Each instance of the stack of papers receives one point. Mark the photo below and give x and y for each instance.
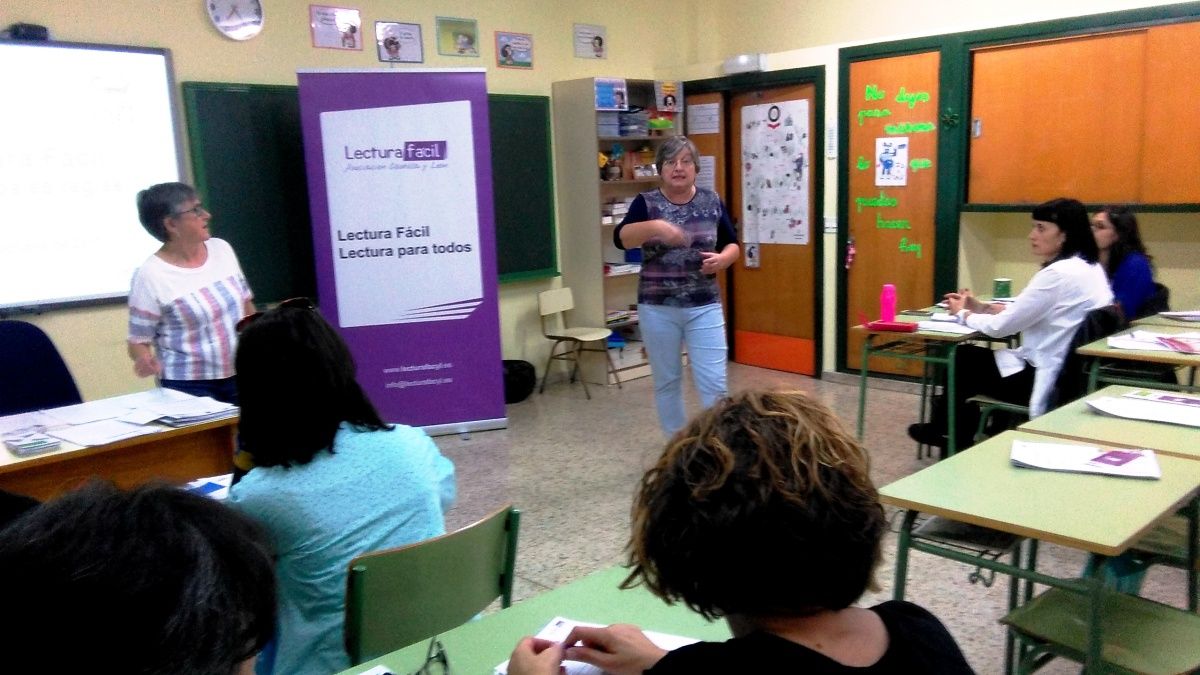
(945, 326)
(1193, 315)
(1188, 343)
(181, 412)
(32, 442)
(1085, 459)
(559, 628)
(1152, 406)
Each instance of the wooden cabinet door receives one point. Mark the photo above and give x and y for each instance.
(1171, 155)
(893, 100)
(1061, 118)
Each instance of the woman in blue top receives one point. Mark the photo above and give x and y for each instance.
(331, 480)
(686, 238)
(1124, 258)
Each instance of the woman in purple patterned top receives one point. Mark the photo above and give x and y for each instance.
(686, 239)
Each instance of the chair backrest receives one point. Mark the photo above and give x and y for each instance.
(397, 597)
(552, 304)
(1159, 301)
(33, 375)
(1072, 379)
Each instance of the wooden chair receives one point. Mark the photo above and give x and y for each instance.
(551, 305)
(400, 596)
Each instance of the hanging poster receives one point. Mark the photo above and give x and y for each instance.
(514, 50)
(590, 41)
(668, 95)
(399, 42)
(335, 27)
(410, 284)
(891, 161)
(704, 118)
(775, 201)
(611, 94)
(457, 37)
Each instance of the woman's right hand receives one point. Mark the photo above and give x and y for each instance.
(146, 364)
(671, 234)
(620, 649)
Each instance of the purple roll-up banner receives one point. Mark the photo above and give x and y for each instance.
(400, 184)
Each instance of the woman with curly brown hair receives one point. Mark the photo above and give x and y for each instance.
(762, 511)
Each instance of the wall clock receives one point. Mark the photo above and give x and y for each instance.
(236, 19)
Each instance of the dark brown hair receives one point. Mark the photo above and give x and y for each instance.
(761, 505)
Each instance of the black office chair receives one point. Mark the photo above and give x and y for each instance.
(33, 375)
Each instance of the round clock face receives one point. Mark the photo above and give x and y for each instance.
(236, 19)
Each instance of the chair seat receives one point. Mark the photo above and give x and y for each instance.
(997, 404)
(1139, 635)
(1168, 541)
(581, 334)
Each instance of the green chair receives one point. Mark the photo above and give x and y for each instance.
(1138, 635)
(400, 596)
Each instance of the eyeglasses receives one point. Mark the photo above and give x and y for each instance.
(436, 662)
(290, 303)
(681, 162)
(196, 210)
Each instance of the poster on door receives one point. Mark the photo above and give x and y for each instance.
(775, 166)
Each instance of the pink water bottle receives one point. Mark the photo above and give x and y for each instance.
(887, 303)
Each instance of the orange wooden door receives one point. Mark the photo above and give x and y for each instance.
(711, 145)
(772, 149)
(893, 101)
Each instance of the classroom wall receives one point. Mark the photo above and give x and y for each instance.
(799, 35)
(668, 39)
(92, 340)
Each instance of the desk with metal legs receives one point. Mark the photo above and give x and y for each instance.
(1098, 514)
(1100, 351)
(928, 347)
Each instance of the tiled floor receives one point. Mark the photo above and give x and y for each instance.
(571, 466)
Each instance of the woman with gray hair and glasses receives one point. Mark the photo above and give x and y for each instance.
(686, 238)
(187, 298)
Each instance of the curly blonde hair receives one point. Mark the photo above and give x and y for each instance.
(761, 505)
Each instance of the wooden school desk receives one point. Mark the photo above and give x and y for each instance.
(1100, 351)
(1098, 514)
(929, 347)
(477, 647)
(173, 455)
(1078, 421)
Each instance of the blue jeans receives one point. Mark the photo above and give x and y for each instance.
(665, 330)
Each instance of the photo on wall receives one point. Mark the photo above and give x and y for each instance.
(457, 37)
(591, 42)
(399, 42)
(514, 50)
(335, 27)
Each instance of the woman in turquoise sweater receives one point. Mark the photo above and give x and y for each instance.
(331, 479)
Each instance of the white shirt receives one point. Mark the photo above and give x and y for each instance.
(1047, 314)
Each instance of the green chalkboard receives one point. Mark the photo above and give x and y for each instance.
(523, 183)
(248, 162)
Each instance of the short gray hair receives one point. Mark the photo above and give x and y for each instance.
(672, 147)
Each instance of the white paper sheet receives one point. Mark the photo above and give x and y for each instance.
(940, 326)
(559, 627)
(1085, 459)
(100, 432)
(703, 118)
(1150, 411)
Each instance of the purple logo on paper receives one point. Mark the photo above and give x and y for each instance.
(424, 151)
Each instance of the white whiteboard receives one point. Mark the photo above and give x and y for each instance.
(83, 128)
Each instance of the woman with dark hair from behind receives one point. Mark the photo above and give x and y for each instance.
(152, 581)
(1125, 260)
(761, 510)
(1046, 313)
(331, 479)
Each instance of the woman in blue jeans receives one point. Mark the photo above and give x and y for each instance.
(686, 238)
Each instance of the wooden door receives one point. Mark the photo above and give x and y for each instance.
(893, 100)
(711, 145)
(772, 148)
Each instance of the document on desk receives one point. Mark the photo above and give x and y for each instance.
(100, 432)
(559, 628)
(1151, 410)
(943, 326)
(92, 411)
(1085, 459)
(1193, 315)
(1187, 343)
(180, 412)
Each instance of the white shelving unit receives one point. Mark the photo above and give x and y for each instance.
(586, 242)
